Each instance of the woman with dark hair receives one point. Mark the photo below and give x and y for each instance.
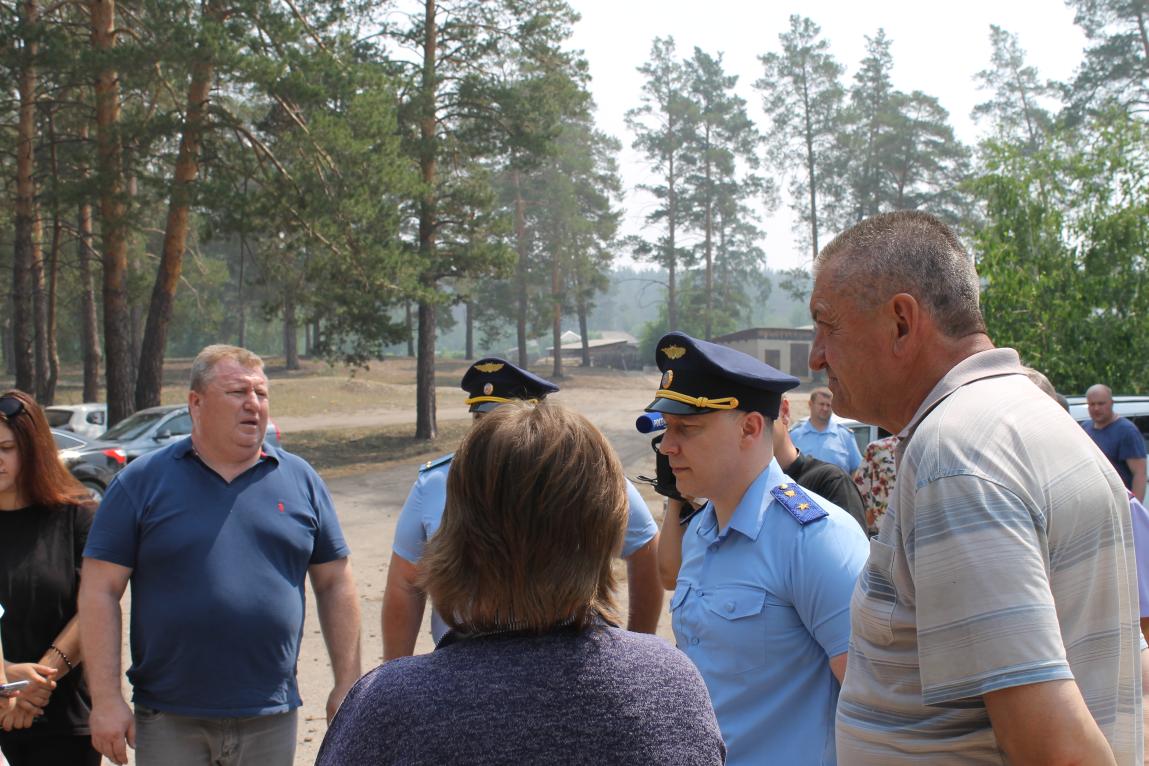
(534, 669)
(44, 519)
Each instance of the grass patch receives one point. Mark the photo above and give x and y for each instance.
(342, 451)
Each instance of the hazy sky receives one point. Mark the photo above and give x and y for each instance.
(937, 48)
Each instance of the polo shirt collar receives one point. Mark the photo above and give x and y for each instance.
(984, 364)
(750, 514)
(184, 447)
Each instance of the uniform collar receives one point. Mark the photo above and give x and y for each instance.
(750, 514)
(991, 363)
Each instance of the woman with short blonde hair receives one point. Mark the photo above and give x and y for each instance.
(535, 669)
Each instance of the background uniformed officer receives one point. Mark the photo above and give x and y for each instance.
(762, 600)
(490, 382)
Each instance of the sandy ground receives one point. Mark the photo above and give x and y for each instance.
(368, 503)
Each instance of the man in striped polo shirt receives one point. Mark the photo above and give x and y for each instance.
(996, 617)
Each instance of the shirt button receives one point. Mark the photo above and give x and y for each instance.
(694, 641)
(729, 606)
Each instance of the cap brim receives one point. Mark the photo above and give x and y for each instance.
(485, 406)
(671, 407)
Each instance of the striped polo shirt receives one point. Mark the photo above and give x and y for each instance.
(1006, 558)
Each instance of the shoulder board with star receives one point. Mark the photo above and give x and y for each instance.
(797, 503)
(436, 462)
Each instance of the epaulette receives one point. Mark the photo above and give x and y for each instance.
(436, 462)
(798, 503)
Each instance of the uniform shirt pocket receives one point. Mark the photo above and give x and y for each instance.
(736, 628)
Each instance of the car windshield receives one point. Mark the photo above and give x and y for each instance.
(66, 442)
(133, 427)
(57, 418)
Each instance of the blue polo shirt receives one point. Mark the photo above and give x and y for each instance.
(1120, 441)
(760, 607)
(834, 445)
(423, 511)
(217, 576)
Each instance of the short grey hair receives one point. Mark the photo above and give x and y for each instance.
(911, 252)
(205, 361)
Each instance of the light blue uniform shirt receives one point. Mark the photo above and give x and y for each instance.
(834, 445)
(760, 608)
(423, 511)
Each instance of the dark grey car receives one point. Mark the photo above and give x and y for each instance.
(94, 463)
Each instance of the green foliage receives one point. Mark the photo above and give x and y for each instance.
(1063, 253)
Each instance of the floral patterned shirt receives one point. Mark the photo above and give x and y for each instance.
(875, 479)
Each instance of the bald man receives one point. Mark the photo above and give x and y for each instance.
(1118, 438)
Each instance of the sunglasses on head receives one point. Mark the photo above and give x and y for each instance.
(10, 407)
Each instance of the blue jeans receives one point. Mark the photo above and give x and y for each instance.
(167, 739)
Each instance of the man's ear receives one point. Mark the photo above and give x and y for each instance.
(906, 314)
(754, 425)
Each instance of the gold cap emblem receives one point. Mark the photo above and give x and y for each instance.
(674, 352)
(489, 388)
(667, 378)
(489, 367)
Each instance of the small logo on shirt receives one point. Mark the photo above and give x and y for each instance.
(279, 506)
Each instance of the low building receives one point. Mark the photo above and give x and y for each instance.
(784, 348)
(617, 350)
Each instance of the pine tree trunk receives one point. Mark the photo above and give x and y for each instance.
(52, 354)
(556, 318)
(582, 328)
(89, 321)
(469, 352)
(410, 330)
(521, 271)
(26, 219)
(425, 425)
(150, 380)
(113, 228)
(290, 336)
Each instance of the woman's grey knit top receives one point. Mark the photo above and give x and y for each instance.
(598, 696)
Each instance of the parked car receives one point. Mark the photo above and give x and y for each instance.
(1135, 408)
(93, 463)
(150, 429)
(88, 420)
(864, 433)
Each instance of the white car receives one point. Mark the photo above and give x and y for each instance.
(90, 420)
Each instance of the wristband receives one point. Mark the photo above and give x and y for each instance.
(63, 656)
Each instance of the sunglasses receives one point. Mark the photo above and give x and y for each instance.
(10, 407)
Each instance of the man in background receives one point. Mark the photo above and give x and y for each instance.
(820, 437)
(1118, 438)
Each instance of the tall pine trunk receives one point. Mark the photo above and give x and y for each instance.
(113, 212)
(520, 270)
(26, 253)
(556, 317)
(469, 351)
(89, 321)
(150, 380)
(290, 335)
(425, 425)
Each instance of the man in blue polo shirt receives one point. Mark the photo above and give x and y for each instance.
(762, 601)
(1118, 438)
(216, 534)
(819, 436)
